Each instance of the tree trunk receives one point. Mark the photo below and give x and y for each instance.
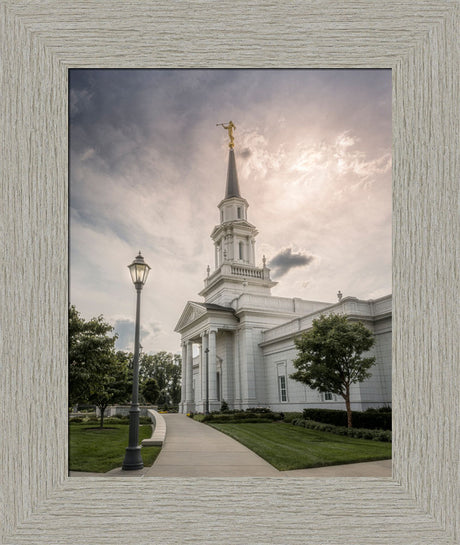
(102, 409)
(348, 406)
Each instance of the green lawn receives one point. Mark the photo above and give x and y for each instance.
(291, 447)
(100, 450)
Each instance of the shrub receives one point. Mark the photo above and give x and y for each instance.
(240, 416)
(111, 420)
(357, 433)
(385, 409)
(375, 419)
(224, 406)
(289, 417)
(383, 435)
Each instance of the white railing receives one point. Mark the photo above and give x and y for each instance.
(241, 270)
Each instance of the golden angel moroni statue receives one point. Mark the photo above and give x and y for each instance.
(229, 127)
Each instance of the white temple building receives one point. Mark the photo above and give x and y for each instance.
(244, 336)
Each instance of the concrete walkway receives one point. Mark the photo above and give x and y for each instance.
(192, 449)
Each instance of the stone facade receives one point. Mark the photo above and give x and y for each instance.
(244, 337)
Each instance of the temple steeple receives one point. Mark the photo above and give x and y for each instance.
(232, 189)
(234, 242)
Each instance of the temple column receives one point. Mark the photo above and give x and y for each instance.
(227, 369)
(189, 377)
(237, 374)
(183, 381)
(213, 403)
(247, 369)
(204, 346)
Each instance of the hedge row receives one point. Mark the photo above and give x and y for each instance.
(289, 417)
(371, 420)
(248, 416)
(357, 433)
(116, 419)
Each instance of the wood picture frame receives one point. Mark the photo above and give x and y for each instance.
(40, 42)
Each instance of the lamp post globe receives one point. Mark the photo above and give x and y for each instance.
(139, 271)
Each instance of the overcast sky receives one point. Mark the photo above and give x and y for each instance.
(148, 169)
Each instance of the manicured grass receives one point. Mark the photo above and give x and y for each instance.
(99, 450)
(291, 447)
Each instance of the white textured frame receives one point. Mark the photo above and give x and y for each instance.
(40, 41)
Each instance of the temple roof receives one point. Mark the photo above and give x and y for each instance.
(232, 189)
(212, 306)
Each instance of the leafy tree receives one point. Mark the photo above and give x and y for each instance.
(329, 356)
(111, 385)
(150, 390)
(165, 368)
(97, 374)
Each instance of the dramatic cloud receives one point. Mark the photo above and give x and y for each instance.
(148, 168)
(286, 260)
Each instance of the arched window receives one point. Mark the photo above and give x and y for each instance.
(240, 248)
(238, 211)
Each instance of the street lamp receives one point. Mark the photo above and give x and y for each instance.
(207, 381)
(133, 460)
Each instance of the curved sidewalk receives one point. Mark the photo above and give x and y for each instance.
(192, 449)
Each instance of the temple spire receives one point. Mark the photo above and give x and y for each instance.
(234, 237)
(232, 189)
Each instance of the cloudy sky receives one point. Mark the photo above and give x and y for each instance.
(148, 168)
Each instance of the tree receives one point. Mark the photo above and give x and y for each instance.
(329, 356)
(150, 390)
(165, 368)
(97, 374)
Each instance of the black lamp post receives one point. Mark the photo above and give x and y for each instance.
(133, 460)
(207, 381)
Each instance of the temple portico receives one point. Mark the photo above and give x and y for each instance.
(207, 374)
